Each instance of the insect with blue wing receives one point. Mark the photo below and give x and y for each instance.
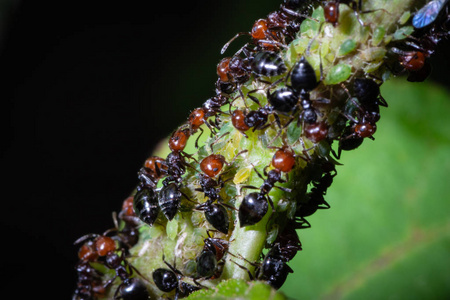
(428, 14)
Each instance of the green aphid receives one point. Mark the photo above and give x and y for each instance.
(378, 35)
(338, 74)
(347, 47)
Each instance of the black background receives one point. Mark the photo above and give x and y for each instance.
(89, 87)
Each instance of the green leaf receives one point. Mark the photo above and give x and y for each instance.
(387, 234)
(234, 289)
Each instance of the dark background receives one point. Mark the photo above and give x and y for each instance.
(89, 88)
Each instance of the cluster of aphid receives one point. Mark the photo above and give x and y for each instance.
(285, 98)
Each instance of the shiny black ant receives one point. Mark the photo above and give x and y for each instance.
(145, 204)
(169, 199)
(273, 269)
(316, 195)
(208, 260)
(288, 241)
(170, 279)
(254, 206)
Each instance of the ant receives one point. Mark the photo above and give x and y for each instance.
(273, 269)
(267, 63)
(288, 241)
(105, 247)
(316, 195)
(269, 34)
(317, 131)
(254, 206)
(233, 71)
(213, 251)
(332, 13)
(89, 285)
(145, 204)
(215, 213)
(169, 199)
(198, 117)
(170, 279)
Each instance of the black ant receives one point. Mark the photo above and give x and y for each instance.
(170, 279)
(273, 269)
(288, 241)
(254, 206)
(213, 251)
(145, 204)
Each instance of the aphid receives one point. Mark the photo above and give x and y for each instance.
(146, 206)
(170, 279)
(428, 13)
(268, 64)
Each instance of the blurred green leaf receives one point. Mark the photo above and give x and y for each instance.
(387, 234)
(234, 289)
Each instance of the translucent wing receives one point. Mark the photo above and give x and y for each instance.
(428, 14)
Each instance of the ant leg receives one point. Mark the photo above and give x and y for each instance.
(253, 98)
(212, 144)
(244, 268)
(247, 187)
(196, 140)
(225, 47)
(301, 223)
(284, 189)
(229, 206)
(239, 153)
